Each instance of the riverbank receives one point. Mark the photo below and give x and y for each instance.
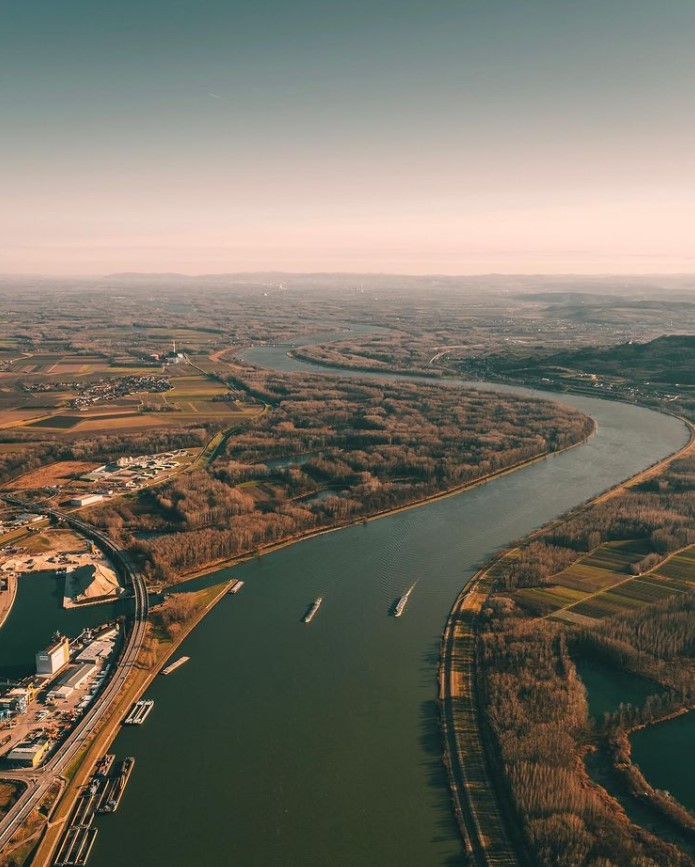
(477, 802)
(7, 598)
(81, 769)
(228, 563)
(639, 787)
(335, 364)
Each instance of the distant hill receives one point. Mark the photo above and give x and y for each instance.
(668, 359)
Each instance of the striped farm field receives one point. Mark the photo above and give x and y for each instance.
(604, 605)
(602, 568)
(681, 584)
(681, 566)
(549, 598)
(645, 590)
(634, 593)
(673, 577)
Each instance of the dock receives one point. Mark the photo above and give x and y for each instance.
(102, 794)
(174, 665)
(235, 586)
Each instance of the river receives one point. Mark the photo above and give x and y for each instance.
(316, 745)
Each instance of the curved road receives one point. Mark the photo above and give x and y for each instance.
(40, 781)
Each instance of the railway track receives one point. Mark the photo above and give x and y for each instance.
(475, 803)
(39, 782)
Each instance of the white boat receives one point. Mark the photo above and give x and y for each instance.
(175, 665)
(311, 613)
(402, 602)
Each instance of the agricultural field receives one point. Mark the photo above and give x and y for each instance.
(604, 567)
(546, 599)
(59, 364)
(680, 567)
(602, 584)
(44, 393)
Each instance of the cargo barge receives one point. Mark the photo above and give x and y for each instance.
(104, 765)
(139, 712)
(76, 848)
(101, 795)
(84, 809)
(311, 613)
(235, 586)
(175, 665)
(113, 791)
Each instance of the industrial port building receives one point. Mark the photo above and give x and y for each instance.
(53, 658)
(29, 754)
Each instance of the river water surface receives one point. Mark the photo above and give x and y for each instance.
(282, 743)
(664, 753)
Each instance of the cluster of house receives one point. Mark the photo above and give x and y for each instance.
(111, 389)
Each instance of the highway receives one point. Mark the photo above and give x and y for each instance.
(39, 781)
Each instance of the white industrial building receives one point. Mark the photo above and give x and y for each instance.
(53, 658)
(77, 676)
(95, 651)
(59, 693)
(85, 499)
(74, 679)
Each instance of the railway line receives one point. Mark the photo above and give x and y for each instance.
(39, 782)
(475, 804)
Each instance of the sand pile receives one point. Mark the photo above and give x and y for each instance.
(90, 583)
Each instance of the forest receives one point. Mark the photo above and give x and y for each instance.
(535, 704)
(360, 448)
(394, 351)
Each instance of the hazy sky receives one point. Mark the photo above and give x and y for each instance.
(452, 136)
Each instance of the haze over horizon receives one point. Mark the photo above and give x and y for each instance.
(441, 138)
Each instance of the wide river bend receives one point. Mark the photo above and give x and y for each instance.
(286, 745)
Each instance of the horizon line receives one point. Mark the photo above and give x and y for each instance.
(345, 273)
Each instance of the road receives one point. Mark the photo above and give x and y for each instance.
(39, 781)
(477, 810)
